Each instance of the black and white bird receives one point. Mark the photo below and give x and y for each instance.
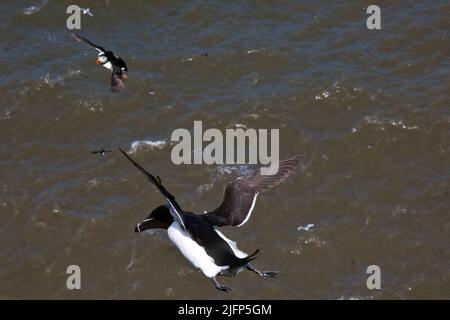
(110, 61)
(101, 152)
(196, 236)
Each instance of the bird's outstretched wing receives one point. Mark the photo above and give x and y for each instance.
(102, 152)
(240, 195)
(117, 83)
(82, 39)
(177, 213)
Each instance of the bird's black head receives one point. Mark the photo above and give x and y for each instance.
(160, 218)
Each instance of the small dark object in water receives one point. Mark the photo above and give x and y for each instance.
(101, 152)
(205, 54)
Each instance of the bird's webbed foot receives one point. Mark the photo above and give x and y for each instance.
(264, 274)
(219, 286)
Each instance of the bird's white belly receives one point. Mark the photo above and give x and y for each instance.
(192, 251)
(107, 65)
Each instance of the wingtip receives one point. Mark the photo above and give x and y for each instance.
(123, 152)
(75, 36)
(295, 160)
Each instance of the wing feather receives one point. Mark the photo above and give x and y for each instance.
(82, 39)
(240, 195)
(177, 213)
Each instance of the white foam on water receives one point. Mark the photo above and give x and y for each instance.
(240, 126)
(147, 144)
(239, 169)
(325, 94)
(7, 115)
(52, 81)
(33, 9)
(204, 187)
(400, 124)
(383, 123)
(73, 74)
(305, 227)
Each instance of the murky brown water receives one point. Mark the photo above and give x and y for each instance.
(367, 110)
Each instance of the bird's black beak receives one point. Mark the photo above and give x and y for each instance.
(147, 224)
(144, 225)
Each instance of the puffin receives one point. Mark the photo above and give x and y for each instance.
(111, 61)
(196, 235)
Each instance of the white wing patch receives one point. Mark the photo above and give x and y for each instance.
(177, 216)
(238, 253)
(192, 251)
(250, 210)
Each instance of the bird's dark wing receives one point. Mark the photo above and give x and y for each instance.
(240, 195)
(117, 61)
(177, 213)
(81, 39)
(116, 81)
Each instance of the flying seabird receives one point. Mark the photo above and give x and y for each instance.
(196, 235)
(110, 61)
(101, 152)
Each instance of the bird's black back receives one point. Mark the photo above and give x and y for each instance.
(116, 61)
(216, 247)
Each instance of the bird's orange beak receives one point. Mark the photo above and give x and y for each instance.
(98, 61)
(124, 76)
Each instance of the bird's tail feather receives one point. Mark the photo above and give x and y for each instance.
(244, 261)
